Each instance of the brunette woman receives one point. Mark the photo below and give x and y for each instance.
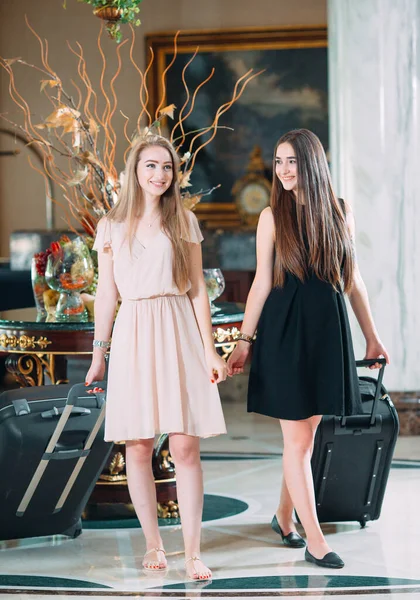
(303, 364)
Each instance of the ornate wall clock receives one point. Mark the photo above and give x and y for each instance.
(252, 191)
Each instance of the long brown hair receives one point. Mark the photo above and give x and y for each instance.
(173, 215)
(311, 230)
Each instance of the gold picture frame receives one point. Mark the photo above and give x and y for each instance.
(224, 214)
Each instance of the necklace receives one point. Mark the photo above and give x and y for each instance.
(151, 222)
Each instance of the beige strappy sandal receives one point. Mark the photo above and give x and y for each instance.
(156, 563)
(198, 578)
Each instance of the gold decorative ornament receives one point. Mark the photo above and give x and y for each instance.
(221, 335)
(30, 369)
(23, 342)
(252, 191)
(26, 369)
(226, 349)
(168, 510)
(114, 12)
(117, 464)
(112, 17)
(108, 13)
(49, 365)
(225, 340)
(167, 462)
(116, 469)
(112, 478)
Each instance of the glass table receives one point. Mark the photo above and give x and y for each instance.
(36, 348)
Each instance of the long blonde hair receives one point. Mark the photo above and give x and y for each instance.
(311, 229)
(173, 215)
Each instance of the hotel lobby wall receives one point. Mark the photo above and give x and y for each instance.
(374, 55)
(22, 194)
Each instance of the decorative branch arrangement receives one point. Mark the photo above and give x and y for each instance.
(78, 139)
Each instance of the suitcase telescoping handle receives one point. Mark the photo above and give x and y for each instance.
(79, 390)
(368, 362)
(76, 391)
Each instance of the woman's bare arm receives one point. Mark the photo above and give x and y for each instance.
(105, 303)
(260, 289)
(263, 280)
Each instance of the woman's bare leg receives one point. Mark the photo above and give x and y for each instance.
(142, 488)
(284, 512)
(185, 452)
(298, 443)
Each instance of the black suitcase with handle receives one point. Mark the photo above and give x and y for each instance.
(352, 456)
(52, 451)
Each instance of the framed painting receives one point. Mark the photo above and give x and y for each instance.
(292, 92)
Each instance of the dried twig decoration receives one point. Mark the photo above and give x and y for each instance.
(78, 140)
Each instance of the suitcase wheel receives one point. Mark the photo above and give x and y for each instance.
(362, 523)
(74, 531)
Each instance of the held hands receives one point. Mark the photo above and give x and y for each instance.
(216, 367)
(97, 368)
(238, 358)
(375, 349)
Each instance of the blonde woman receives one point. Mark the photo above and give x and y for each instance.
(163, 366)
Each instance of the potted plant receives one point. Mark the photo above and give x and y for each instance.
(115, 12)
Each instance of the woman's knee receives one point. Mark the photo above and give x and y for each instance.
(185, 450)
(298, 437)
(139, 451)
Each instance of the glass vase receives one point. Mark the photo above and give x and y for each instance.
(39, 286)
(215, 285)
(70, 271)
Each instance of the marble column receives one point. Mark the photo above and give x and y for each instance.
(374, 65)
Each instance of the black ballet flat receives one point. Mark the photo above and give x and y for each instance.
(330, 560)
(292, 540)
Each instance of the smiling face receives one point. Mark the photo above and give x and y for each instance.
(155, 170)
(286, 166)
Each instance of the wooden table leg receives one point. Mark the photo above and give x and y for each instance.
(27, 369)
(30, 369)
(55, 366)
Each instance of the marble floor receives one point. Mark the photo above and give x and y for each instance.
(242, 472)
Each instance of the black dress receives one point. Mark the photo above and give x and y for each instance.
(303, 361)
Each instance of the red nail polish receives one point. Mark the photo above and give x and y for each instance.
(212, 380)
(86, 383)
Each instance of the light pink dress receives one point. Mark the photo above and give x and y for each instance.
(157, 379)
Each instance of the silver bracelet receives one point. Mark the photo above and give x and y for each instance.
(101, 344)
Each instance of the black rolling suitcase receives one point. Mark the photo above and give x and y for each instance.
(352, 456)
(52, 451)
